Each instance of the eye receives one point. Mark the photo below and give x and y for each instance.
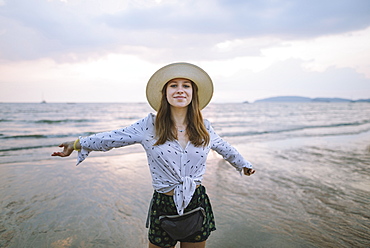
(173, 85)
(187, 85)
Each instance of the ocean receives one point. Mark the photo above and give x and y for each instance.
(311, 187)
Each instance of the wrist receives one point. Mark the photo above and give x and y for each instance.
(77, 145)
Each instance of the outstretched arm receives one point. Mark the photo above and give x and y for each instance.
(229, 153)
(69, 147)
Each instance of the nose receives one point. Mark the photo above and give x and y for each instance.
(180, 90)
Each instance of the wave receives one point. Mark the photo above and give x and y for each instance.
(46, 121)
(25, 148)
(62, 121)
(30, 136)
(42, 136)
(33, 136)
(301, 128)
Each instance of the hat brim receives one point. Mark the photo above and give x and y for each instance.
(179, 70)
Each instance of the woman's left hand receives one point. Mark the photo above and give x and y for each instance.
(248, 171)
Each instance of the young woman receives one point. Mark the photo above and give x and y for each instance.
(177, 141)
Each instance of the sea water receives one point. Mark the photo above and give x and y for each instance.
(311, 188)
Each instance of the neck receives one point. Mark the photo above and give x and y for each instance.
(179, 116)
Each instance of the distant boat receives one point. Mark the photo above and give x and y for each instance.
(43, 99)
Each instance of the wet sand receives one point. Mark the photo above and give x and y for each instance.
(301, 196)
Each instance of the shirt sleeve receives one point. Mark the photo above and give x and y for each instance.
(228, 152)
(105, 141)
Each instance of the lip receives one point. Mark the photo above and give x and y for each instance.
(179, 97)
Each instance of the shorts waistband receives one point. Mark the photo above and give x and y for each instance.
(172, 192)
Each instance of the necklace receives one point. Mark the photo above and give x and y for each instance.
(181, 130)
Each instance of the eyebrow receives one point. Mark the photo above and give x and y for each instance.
(186, 81)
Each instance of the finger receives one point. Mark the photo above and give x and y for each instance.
(60, 154)
(61, 145)
(248, 171)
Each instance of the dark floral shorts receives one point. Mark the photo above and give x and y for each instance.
(164, 205)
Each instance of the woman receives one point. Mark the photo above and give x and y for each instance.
(177, 141)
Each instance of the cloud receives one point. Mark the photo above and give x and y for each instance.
(247, 18)
(38, 28)
(290, 77)
(122, 78)
(113, 78)
(175, 28)
(252, 49)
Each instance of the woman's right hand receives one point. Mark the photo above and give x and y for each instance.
(68, 149)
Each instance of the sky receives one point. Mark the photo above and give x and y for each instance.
(106, 50)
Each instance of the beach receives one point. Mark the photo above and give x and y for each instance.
(311, 188)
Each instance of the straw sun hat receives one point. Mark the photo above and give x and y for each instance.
(179, 70)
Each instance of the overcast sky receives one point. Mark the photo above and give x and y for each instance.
(106, 50)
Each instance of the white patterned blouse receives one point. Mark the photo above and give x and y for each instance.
(172, 167)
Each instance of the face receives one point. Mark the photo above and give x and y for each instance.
(179, 92)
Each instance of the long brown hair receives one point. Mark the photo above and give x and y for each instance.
(165, 128)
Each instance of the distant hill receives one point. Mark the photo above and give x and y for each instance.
(307, 99)
(363, 100)
(286, 99)
(321, 99)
